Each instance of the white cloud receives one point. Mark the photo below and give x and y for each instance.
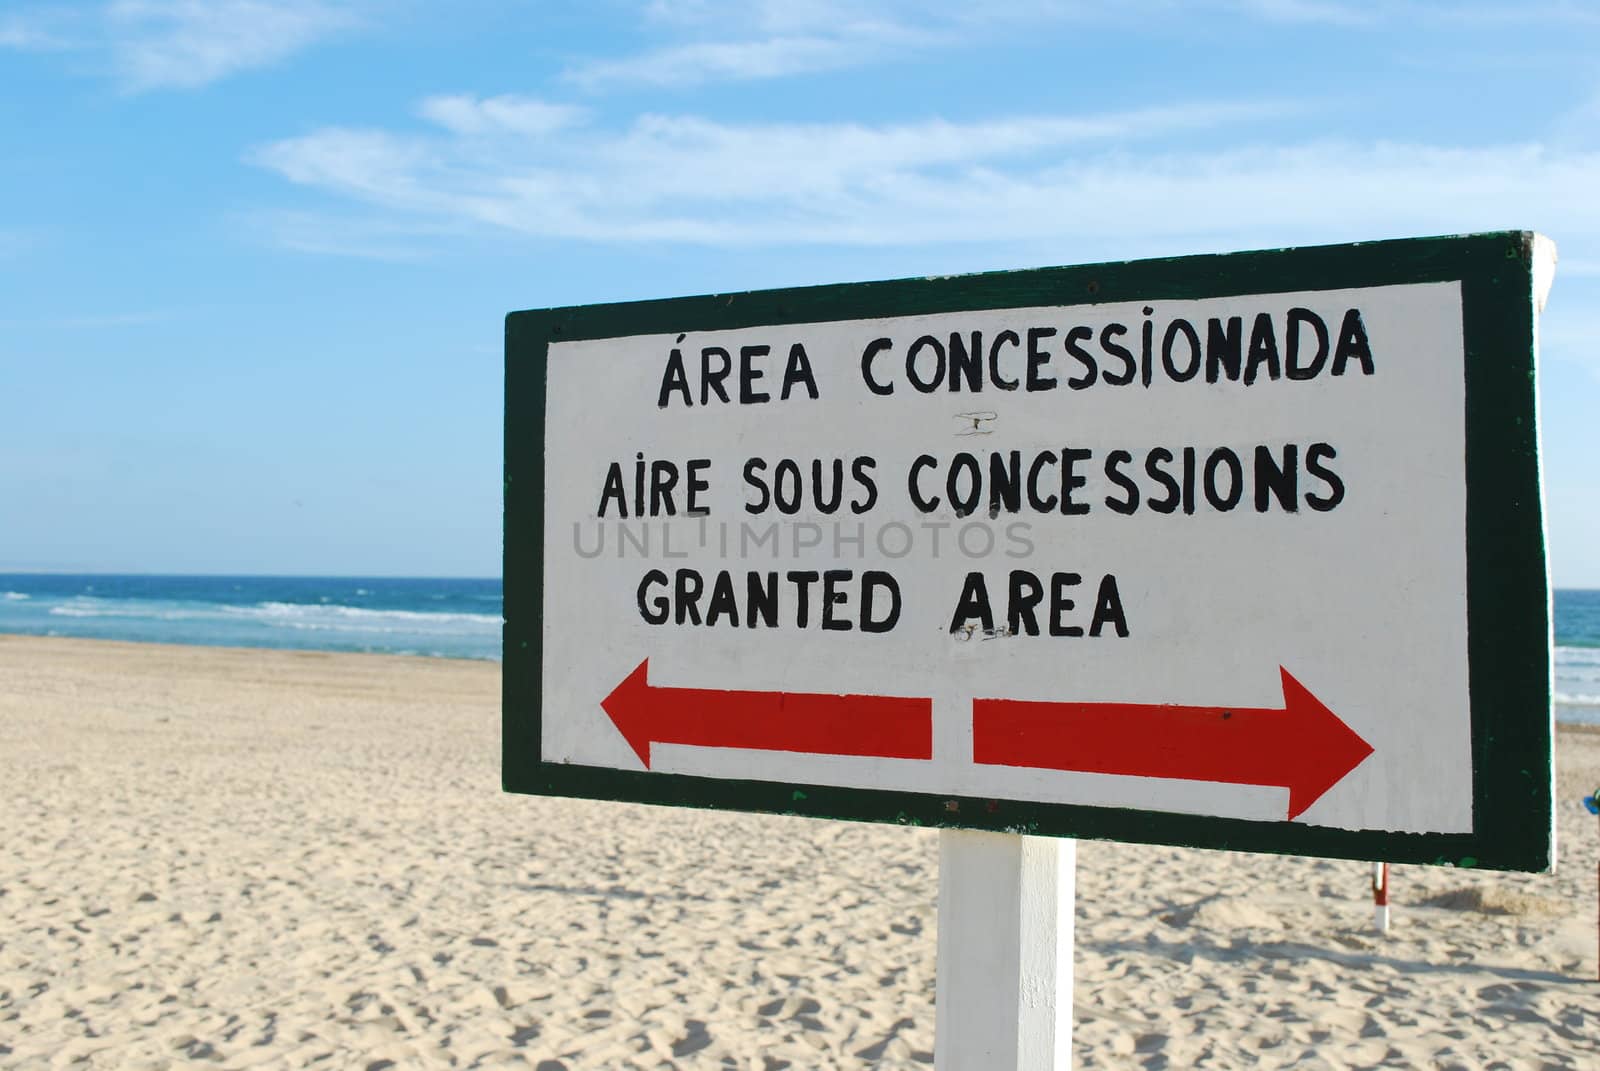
(695, 179)
(1083, 187)
(1310, 11)
(1545, 15)
(179, 44)
(327, 235)
(760, 41)
(709, 41)
(728, 40)
(368, 165)
(1079, 179)
(466, 114)
(787, 16)
(20, 34)
(188, 43)
(712, 61)
(39, 30)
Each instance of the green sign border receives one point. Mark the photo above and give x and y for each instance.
(1508, 625)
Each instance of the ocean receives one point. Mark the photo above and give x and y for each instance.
(444, 618)
(1577, 692)
(451, 618)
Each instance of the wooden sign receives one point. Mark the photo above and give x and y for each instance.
(1233, 551)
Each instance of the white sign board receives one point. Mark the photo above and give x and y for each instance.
(1201, 556)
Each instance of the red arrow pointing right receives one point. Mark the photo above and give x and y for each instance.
(1302, 746)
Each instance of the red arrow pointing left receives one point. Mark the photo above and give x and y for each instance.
(881, 725)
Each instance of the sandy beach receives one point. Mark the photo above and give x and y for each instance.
(240, 858)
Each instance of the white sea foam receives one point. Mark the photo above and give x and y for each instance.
(15, 596)
(312, 617)
(1587, 674)
(89, 606)
(1577, 677)
(297, 614)
(1577, 684)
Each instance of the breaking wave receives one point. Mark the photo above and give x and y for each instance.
(330, 617)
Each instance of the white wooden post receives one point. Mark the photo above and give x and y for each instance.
(1004, 983)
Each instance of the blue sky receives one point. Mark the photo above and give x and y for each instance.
(255, 254)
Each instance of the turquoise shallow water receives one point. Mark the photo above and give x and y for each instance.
(451, 618)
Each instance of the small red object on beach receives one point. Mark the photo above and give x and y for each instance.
(1380, 897)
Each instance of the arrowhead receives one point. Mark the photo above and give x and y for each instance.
(1325, 748)
(631, 710)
